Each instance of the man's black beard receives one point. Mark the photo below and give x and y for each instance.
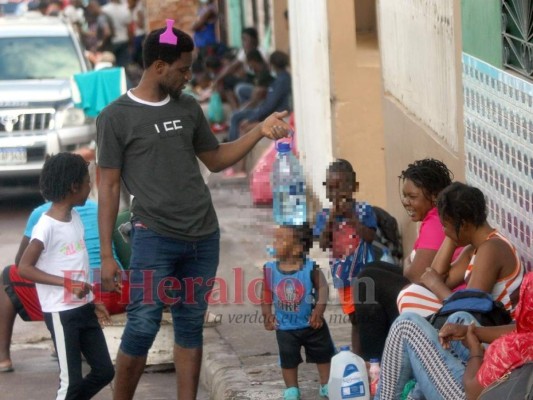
(174, 94)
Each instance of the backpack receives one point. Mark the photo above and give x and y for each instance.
(388, 239)
(476, 302)
(516, 385)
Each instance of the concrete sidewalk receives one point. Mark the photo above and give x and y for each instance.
(247, 368)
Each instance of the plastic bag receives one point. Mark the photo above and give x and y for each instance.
(344, 270)
(215, 110)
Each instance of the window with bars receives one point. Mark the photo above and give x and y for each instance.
(517, 30)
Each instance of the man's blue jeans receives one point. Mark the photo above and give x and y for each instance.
(412, 351)
(168, 272)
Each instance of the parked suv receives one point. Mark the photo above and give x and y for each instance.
(38, 57)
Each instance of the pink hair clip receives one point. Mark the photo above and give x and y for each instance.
(169, 36)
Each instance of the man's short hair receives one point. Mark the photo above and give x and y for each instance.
(153, 50)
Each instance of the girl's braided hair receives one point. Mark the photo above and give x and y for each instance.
(430, 175)
(60, 172)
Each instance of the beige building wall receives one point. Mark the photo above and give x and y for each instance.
(356, 95)
(408, 138)
(337, 94)
(280, 26)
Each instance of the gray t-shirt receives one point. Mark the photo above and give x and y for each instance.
(155, 146)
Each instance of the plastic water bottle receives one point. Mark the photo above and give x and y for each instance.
(288, 188)
(373, 375)
(348, 378)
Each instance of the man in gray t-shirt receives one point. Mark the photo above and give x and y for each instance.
(149, 138)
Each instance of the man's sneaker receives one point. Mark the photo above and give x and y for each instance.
(292, 393)
(323, 391)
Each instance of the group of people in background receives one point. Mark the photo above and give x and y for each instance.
(245, 84)
(115, 26)
(250, 83)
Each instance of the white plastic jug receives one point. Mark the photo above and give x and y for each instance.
(348, 378)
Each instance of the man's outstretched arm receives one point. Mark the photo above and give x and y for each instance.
(228, 154)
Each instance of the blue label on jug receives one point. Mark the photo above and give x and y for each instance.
(352, 385)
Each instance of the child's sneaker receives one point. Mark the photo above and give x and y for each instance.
(323, 391)
(292, 393)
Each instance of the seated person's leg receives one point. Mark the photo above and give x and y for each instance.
(372, 328)
(413, 350)
(235, 123)
(243, 92)
(17, 295)
(386, 283)
(456, 346)
(227, 89)
(7, 319)
(22, 294)
(417, 299)
(377, 289)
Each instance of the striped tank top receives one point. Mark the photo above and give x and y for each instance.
(504, 287)
(416, 298)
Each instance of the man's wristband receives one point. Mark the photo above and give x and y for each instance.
(475, 356)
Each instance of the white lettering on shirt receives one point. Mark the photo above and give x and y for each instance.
(172, 125)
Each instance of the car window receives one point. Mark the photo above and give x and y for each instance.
(12, 8)
(38, 58)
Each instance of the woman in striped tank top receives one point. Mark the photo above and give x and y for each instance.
(488, 261)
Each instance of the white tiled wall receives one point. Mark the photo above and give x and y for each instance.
(499, 148)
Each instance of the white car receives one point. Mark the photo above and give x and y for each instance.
(13, 7)
(38, 57)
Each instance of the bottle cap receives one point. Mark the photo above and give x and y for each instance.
(345, 348)
(283, 147)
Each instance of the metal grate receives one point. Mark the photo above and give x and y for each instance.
(25, 120)
(517, 28)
